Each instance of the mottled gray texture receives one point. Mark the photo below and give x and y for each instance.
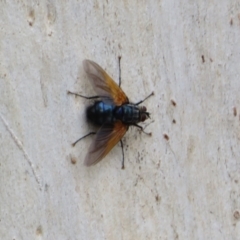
(186, 187)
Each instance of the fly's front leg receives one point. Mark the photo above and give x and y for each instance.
(119, 66)
(144, 99)
(142, 130)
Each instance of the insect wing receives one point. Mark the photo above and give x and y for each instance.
(106, 138)
(104, 85)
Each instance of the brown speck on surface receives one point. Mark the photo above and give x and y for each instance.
(157, 198)
(174, 121)
(236, 215)
(39, 230)
(73, 160)
(173, 103)
(234, 111)
(231, 22)
(210, 59)
(166, 136)
(31, 17)
(203, 59)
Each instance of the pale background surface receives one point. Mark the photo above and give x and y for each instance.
(183, 188)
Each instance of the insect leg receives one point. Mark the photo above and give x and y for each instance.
(79, 95)
(119, 66)
(141, 128)
(144, 99)
(91, 133)
(122, 154)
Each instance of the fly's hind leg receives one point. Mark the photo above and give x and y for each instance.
(79, 95)
(122, 154)
(91, 133)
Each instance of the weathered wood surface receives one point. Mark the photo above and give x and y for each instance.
(186, 187)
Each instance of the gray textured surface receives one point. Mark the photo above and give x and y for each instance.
(183, 188)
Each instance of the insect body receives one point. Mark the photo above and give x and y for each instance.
(112, 112)
(104, 113)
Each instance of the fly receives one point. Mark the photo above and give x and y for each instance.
(111, 112)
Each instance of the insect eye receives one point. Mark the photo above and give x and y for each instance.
(143, 117)
(144, 109)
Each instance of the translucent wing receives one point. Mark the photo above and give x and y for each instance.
(106, 138)
(103, 84)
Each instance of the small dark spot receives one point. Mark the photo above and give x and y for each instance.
(173, 103)
(166, 136)
(174, 121)
(234, 111)
(236, 215)
(203, 59)
(236, 181)
(231, 22)
(210, 59)
(39, 230)
(157, 198)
